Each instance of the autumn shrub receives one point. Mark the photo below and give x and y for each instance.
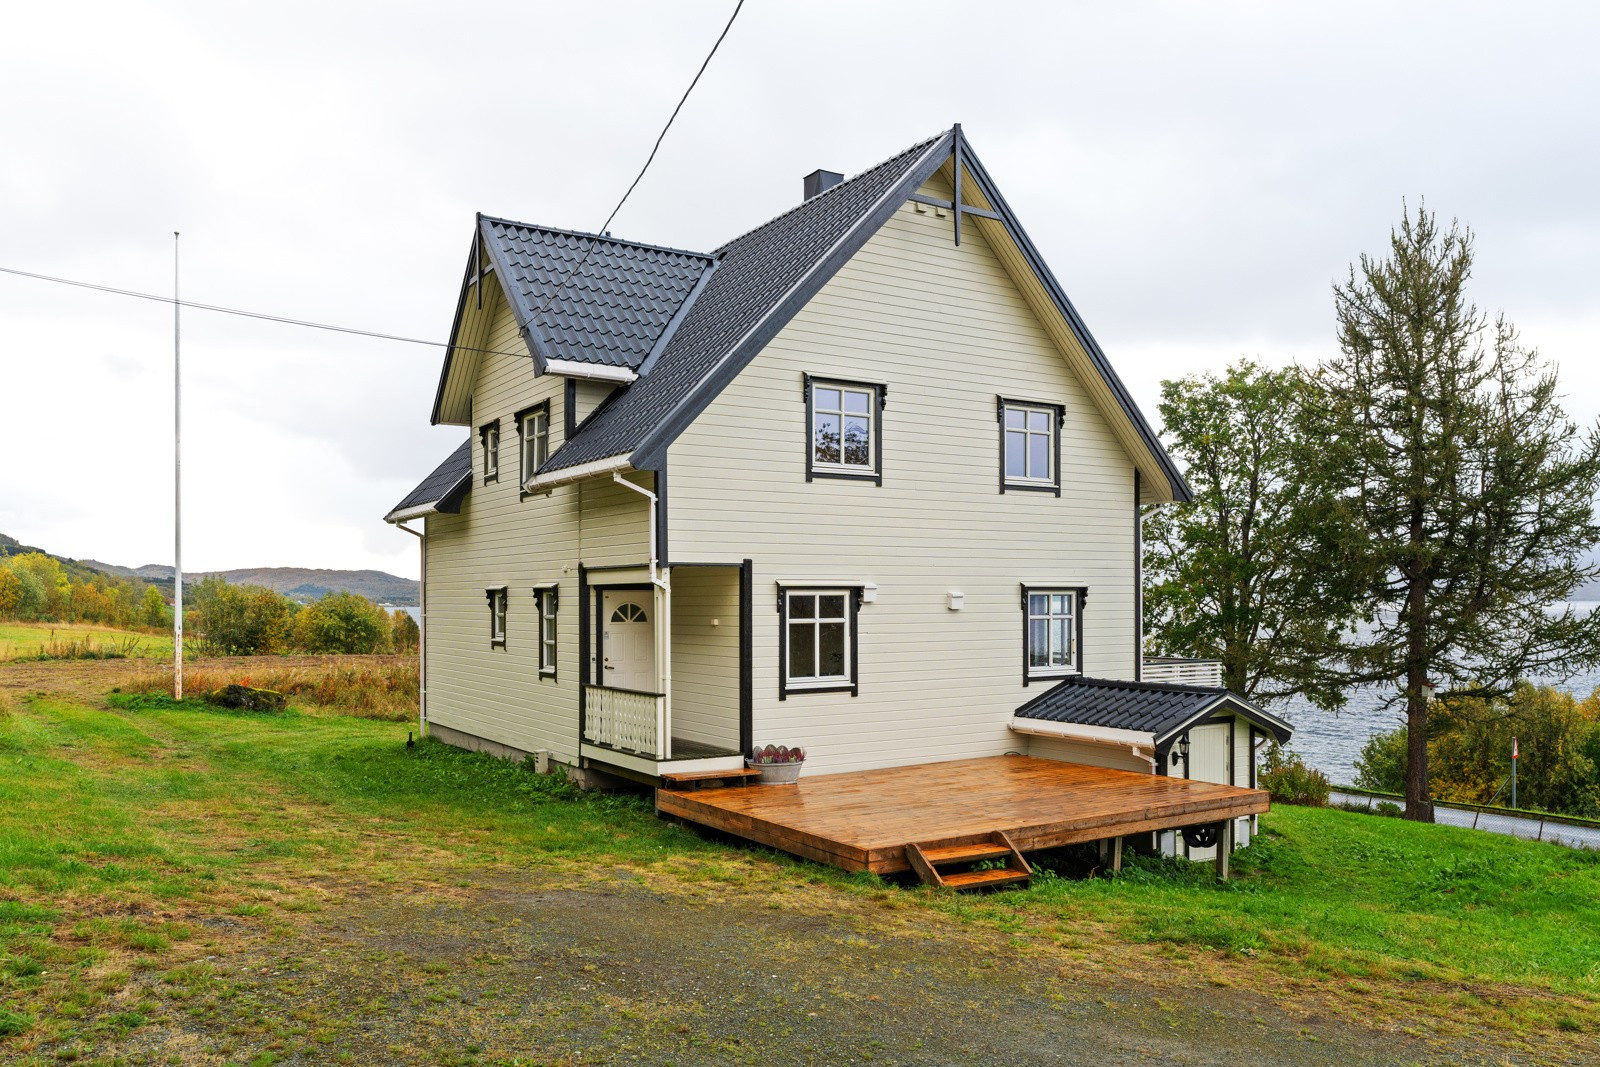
(377, 687)
(342, 623)
(1290, 781)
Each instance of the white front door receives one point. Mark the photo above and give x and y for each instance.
(628, 640)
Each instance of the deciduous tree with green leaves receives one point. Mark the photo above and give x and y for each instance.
(1232, 575)
(1460, 498)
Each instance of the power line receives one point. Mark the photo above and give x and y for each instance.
(606, 226)
(378, 334)
(251, 314)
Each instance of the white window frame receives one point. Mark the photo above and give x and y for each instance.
(491, 451)
(1074, 618)
(497, 616)
(873, 393)
(547, 598)
(1052, 415)
(533, 431)
(845, 680)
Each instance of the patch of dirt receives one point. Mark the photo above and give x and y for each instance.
(515, 971)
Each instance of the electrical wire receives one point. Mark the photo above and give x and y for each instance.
(605, 227)
(378, 334)
(252, 314)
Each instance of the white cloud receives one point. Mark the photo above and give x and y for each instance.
(1197, 176)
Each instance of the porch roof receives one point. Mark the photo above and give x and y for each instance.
(1160, 710)
(441, 491)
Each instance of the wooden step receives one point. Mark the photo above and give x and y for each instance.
(940, 856)
(928, 857)
(997, 876)
(696, 778)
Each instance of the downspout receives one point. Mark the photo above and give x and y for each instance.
(422, 631)
(664, 619)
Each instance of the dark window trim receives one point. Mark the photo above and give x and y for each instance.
(483, 446)
(1006, 486)
(1081, 592)
(541, 594)
(881, 390)
(583, 654)
(505, 610)
(853, 686)
(521, 416)
(569, 410)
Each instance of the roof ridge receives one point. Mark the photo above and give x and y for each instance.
(707, 256)
(918, 147)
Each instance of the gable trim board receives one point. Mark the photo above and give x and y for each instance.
(647, 452)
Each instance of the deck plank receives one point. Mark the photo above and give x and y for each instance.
(862, 820)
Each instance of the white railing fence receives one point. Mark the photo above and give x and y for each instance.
(623, 718)
(1173, 670)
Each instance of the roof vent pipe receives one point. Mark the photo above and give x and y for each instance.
(820, 181)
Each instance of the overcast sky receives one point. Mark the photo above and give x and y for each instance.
(1197, 175)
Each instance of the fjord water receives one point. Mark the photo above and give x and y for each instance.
(1331, 741)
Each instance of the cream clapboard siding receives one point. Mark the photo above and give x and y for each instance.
(705, 655)
(588, 395)
(500, 539)
(946, 329)
(1079, 752)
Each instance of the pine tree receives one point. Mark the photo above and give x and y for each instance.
(1460, 498)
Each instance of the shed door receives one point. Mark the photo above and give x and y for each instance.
(628, 640)
(1210, 760)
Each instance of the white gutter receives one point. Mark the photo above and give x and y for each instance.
(568, 475)
(600, 372)
(1135, 741)
(663, 622)
(397, 517)
(422, 630)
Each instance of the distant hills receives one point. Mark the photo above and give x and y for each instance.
(300, 583)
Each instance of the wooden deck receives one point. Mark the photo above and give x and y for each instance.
(863, 820)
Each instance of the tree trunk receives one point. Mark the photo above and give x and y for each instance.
(1419, 804)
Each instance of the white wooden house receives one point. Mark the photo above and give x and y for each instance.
(859, 480)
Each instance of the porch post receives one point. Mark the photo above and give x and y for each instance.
(663, 599)
(1224, 849)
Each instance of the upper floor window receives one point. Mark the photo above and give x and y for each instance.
(1030, 445)
(846, 429)
(819, 632)
(497, 616)
(1052, 632)
(533, 433)
(490, 435)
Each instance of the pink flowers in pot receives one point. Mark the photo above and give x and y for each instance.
(775, 754)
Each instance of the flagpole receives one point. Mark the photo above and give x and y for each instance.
(177, 483)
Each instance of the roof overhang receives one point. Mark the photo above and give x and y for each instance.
(1077, 731)
(567, 475)
(1229, 703)
(449, 503)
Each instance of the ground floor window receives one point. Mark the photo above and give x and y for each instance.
(547, 598)
(497, 616)
(1052, 632)
(818, 651)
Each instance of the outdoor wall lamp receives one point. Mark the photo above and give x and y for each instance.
(1183, 750)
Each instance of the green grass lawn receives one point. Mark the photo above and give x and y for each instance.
(47, 640)
(125, 827)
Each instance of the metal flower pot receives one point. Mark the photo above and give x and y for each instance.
(776, 773)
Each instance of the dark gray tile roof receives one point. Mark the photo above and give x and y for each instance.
(1144, 706)
(444, 489)
(752, 276)
(612, 311)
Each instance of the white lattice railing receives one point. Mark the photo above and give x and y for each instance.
(623, 718)
(1175, 671)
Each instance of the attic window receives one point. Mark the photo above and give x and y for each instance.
(1030, 445)
(489, 434)
(845, 425)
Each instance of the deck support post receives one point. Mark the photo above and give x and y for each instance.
(1224, 848)
(1116, 855)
